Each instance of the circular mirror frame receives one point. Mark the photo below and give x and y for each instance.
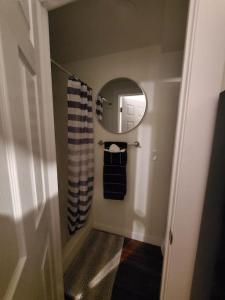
(141, 120)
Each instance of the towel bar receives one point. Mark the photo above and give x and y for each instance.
(135, 144)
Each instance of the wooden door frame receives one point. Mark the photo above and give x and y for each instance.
(185, 229)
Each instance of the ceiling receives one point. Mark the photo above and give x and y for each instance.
(91, 28)
(52, 4)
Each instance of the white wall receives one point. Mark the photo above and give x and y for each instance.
(142, 215)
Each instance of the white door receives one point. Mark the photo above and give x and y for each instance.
(27, 268)
(132, 109)
(203, 73)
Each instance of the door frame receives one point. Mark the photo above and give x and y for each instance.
(182, 224)
(197, 25)
(119, 112)
(51, 157)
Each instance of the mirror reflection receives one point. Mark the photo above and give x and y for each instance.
(120, 105)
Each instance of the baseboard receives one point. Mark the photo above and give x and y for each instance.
(74, 245)
(154, 240)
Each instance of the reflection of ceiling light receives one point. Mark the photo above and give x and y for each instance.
(107, 269)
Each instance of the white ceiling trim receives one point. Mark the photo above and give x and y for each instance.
(52, 4)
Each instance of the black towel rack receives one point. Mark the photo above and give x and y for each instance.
(135, 144)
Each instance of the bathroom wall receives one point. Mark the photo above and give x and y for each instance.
(162, 22)
(142, 215)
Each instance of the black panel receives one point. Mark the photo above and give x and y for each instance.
(209, 275)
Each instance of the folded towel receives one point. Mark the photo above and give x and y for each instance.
(114, 170)
(114, 149)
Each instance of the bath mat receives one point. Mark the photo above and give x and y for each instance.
(92, 273)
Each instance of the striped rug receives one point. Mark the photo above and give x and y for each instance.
(91, 275)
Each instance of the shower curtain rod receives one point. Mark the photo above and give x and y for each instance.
(62, 68)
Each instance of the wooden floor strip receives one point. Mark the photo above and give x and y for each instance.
(92, 273)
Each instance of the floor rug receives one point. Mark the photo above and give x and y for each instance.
(92, 273)
(139, 273)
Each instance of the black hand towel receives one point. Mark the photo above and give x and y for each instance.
(114, 172)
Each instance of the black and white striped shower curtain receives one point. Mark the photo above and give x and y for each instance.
(80, 153)
(99, 108)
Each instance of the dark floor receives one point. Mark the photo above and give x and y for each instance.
(139, 273)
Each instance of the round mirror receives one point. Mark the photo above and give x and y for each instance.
(120, 105)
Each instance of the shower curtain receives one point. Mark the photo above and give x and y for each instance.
(99, 108)
(80, 153)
